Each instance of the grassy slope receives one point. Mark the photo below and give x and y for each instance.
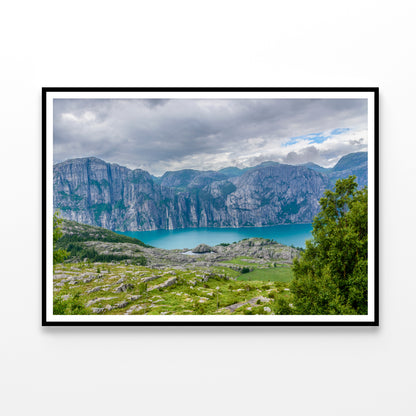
(76, 232)
(281, 273)
(272, 272)
(75, 235)
(91, 288)
(190, 295)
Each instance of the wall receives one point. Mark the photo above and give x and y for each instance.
(201, 371)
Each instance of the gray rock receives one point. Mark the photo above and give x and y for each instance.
(58, 276)
(150, 278)
(252, 302)
(202, 248)
(167, 283)
(133, 309)
(96, 300)
(124, 287)
(94, 289)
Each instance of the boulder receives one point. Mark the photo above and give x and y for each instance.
(124, 288)
(202, 248)
(150, 278)
(167, 283)
(94, 289)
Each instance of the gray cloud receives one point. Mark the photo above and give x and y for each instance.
(159, 135)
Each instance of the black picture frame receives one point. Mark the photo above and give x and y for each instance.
(320, 321)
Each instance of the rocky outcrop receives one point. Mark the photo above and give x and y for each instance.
(259, 299)
(94, 192)
(167, 283)
(202, 248)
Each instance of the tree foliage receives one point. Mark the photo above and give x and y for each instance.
(59, 254)
(331, 275)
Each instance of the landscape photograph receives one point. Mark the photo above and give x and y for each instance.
(210, 206)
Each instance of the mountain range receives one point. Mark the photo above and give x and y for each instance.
(91, 191)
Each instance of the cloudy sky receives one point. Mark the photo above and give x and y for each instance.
(160, 135)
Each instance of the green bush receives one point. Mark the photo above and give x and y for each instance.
(71, 306)
(59, 253)
(142, 287)
(282, 307)
(141, 261)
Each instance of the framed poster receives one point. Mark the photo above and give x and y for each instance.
(210, 206)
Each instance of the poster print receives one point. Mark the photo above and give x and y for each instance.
(210, 206)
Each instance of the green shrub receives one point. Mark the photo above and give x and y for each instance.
(140, 261)
(142, 287)
(281, 307)
(59, 254)
(71, 306)
(59, 306)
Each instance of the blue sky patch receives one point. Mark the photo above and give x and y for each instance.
(315, 137)
(339, 131)
(311, 138)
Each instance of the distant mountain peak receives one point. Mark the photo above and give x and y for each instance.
(351, 160)
(314, 166)
(268, 163)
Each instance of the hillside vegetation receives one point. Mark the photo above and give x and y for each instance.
(106, 273)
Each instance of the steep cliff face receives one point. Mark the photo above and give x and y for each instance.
(279, 194)
(94, 192)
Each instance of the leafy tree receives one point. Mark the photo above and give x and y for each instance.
(59, 254)
(331, 275)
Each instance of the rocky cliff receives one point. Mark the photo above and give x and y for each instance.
(94, 192)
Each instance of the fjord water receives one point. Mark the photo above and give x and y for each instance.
(290, 234)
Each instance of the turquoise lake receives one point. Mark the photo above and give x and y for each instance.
(291, 234)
